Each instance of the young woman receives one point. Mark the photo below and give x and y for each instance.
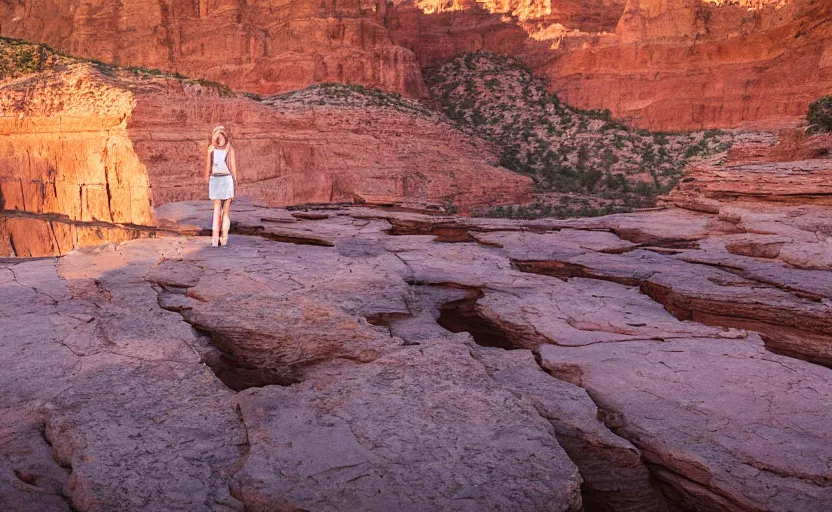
(220, 173)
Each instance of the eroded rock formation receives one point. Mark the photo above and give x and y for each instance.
(84, 145)
(665, 65)
(689, 65)
(258, 46)
(435, 362)
(668, 65)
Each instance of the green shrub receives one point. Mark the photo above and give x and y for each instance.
(499, 99)
(819, 116)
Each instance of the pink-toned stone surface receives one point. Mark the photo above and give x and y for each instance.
(363, 310)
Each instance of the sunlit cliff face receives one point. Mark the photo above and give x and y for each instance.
(750, 4)
(556, 19)
(521, 9)
(543, 20)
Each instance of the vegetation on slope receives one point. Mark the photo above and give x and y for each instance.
(19, 58)
(582, 161)
(819, 115)
(348, 95)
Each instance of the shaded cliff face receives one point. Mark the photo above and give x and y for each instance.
(257, 45)
(663, 65)
(87, 149)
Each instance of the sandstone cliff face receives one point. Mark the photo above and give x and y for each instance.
(92, 149)
(687, 65)
(294, 152)
(260, 46)
(663, 65)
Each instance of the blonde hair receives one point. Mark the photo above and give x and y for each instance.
(216, 132)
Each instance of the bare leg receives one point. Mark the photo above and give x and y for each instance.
(215, 226)
(226, 221)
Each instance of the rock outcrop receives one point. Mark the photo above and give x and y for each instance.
(432, 365)
(258, 46)
(89, 148)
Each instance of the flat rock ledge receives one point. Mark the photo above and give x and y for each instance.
(361, 359)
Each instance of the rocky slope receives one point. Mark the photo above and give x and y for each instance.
(665, 65)
(260, 46)
(89, 148)
(368, 359)
(582, 162)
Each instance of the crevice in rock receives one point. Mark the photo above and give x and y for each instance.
(235, 375)
(62, 460)
(443, 232)
(245, 450)
(681, 493)
(385, 319)
(463, 315)
(641, 238)
(614, 476)
(593, 461)
(779, 339)
(388, 320)
(666, 497)
(565, 270)
(452, 232)
(260, 231)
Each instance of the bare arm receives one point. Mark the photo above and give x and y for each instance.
(232, 163)
(209, 162)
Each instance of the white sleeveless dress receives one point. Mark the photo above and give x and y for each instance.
(221, 184)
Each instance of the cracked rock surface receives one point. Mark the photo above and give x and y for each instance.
(363, 359)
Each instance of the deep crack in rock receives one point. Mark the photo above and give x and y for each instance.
(462, 315)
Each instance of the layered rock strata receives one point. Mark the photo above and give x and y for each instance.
(689, 65)
(677, 65)
(258, 46)
(413, 366)
(84, 145)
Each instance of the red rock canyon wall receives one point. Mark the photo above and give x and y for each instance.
(664, 64)
(689, 65)
(263, 46)
(83, 152)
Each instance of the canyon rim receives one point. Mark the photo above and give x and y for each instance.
(513, 256)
